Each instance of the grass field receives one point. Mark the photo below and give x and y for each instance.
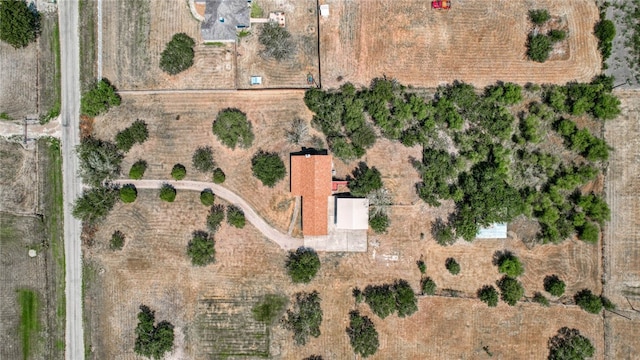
(29, 322)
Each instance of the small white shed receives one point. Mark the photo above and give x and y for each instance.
(324, 10)
(256, 80)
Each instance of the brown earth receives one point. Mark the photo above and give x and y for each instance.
(622, 233)
(18, 179)
(477, 41)
(18, 80)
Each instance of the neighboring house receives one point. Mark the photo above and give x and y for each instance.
(223, 18)
(311, 179)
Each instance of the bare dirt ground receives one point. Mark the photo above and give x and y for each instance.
(478, 42)
(18, 80)
(18, 179)
(302, 23)
(135, 34)
(622, 235)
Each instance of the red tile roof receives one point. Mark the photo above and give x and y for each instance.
(311, 179)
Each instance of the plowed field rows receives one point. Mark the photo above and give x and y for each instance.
(476, 41)
(18, 80)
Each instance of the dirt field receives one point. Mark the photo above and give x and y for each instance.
(136, 32)
(476, 41)
(302, 23)
(622, 235)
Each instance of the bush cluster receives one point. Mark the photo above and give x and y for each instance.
(594, 98)
(302, 265)
(178, 54)
(117, 240)
(152, 341)
(362, 334)
(232, 128)
(201, 249)
(268, 167)
(569, 344)
(305, 318)
(588, 301)
(385, 299)
(95, 203)
(100, 97)
(215, 217)
(99, 160)
(605, 31)
(135, 133)
(235, 216)
(582, 142)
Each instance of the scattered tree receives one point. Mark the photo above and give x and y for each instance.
(362, 334)
(538, 47)
(540, 299)
(207, 197)
(381, 299)
(511, 290)
(509, 264)
(95, 203)
(152, 341)
(201, 248)
(539, 16)
(100, 97)
(99, 160)
(452, 265)
(364, 180)
(588, 301)
(379, 222)
(218, 176)
(276, 41)
(232, 128)
(135, 133)
(553, 285)
(568, 344)
(215, 217)
(302, 265)
(489, 295)
(442, 233)
(21, 23)
(298, 133)
(268, 168)
(406, 302)
(117, 240)
(137, 170)
(178, 172)
(358, 295)
(421, 266)
(235, 216)
(178, 54)
(606, 303)
(128, 193)
(557, 35)
(167, 193)
(305, 318)
(202, 159)
(270, 308)
(428, 286)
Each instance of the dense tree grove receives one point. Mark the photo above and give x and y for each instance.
(476, 154)
(305, 318)
(362, 334)
(568, 344)
(100, 97)
(201, 249)
(302, 265)
(178, 54)
(232, 128)
(20, 24)
(152, 341)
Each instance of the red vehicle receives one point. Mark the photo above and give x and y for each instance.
(441, 4)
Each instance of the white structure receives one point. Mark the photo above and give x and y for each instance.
(256, 80)
(495, 231)
(324, 11)
(352, 213)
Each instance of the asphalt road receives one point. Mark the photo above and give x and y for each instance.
(285, 241)
(72, 184)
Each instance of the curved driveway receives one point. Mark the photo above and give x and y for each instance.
(285, 241)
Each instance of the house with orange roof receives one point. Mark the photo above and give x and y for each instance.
(311, 180)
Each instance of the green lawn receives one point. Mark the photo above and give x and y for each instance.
(29, 323)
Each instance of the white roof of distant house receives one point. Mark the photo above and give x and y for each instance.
(324, 10)
(352, 213)
(495, 231)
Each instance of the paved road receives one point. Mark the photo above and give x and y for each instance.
(70, 111)
(285, 241)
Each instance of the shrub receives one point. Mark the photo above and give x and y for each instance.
(509, 264)
(362, 334)
(540, 299)
(381, 299)
(270, 308)
(442, 233)
(232, 128)
(167, 193)
(511, 289)
(128, 193)
(553, 285)
(20, 23)
(302, 265)
(605, 31)
(489, 295)
(178, 172)
(298, 132)
(589, 232)
(136, 133)
(95, 203)
(117, 240)
(201, 248)
(379, 222)
(358, 295)
(406, 302)
(557, 35)
(218, 176)
(364, 180)
(539, 16)
(100, 97)
(538, 47)
(202, 159)
(268, 168)
(306, 317)
(215, 217)
(276, 41)
(99, 161)
(152, 341)
(137, 170)
(421, 266)
(207, 197)
(588, 301)
(178, 54)
(452, 265)
(428, 286)
(568, 344)
(606, 303)
(235, 216)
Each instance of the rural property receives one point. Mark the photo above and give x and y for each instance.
(319, 179)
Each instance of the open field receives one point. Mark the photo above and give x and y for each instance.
(134, 36)
(478, 42)
(302, 24)
(622, 235)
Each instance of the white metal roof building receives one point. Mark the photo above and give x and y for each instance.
(352, 213)
(495, 231)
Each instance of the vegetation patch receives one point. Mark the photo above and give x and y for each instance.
(152, 341)
(167, 193)
(569, 344)
(362, 334)
(117, 240)
(137, 170)
(100, 97)
(29, 323)
(305, 318)
(99, 160)
(385, 299)
(136, 133)
(276, 41)
(235, 216)
(24, 24)
(302, 265)
(201, 249)
(232, 128)
(202, 159)
(128, 193)
(588, 301)
(178, 54)
(268, 167)
(270, 308)
(605, 31)
(95, 203)
(215, 217)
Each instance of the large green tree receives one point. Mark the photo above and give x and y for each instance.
(362, 334)
(152, 341)
(511, 289)
(201, 249)
(95, 203)
(178, 54)
(99, 160)
(568, 344)
(305, 318)
(364, 180)
(302, 265)
(268, 167)
(100, 97)
(19, 23)
(232, 128)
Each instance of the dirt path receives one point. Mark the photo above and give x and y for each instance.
(9, 128)
(286, 242)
